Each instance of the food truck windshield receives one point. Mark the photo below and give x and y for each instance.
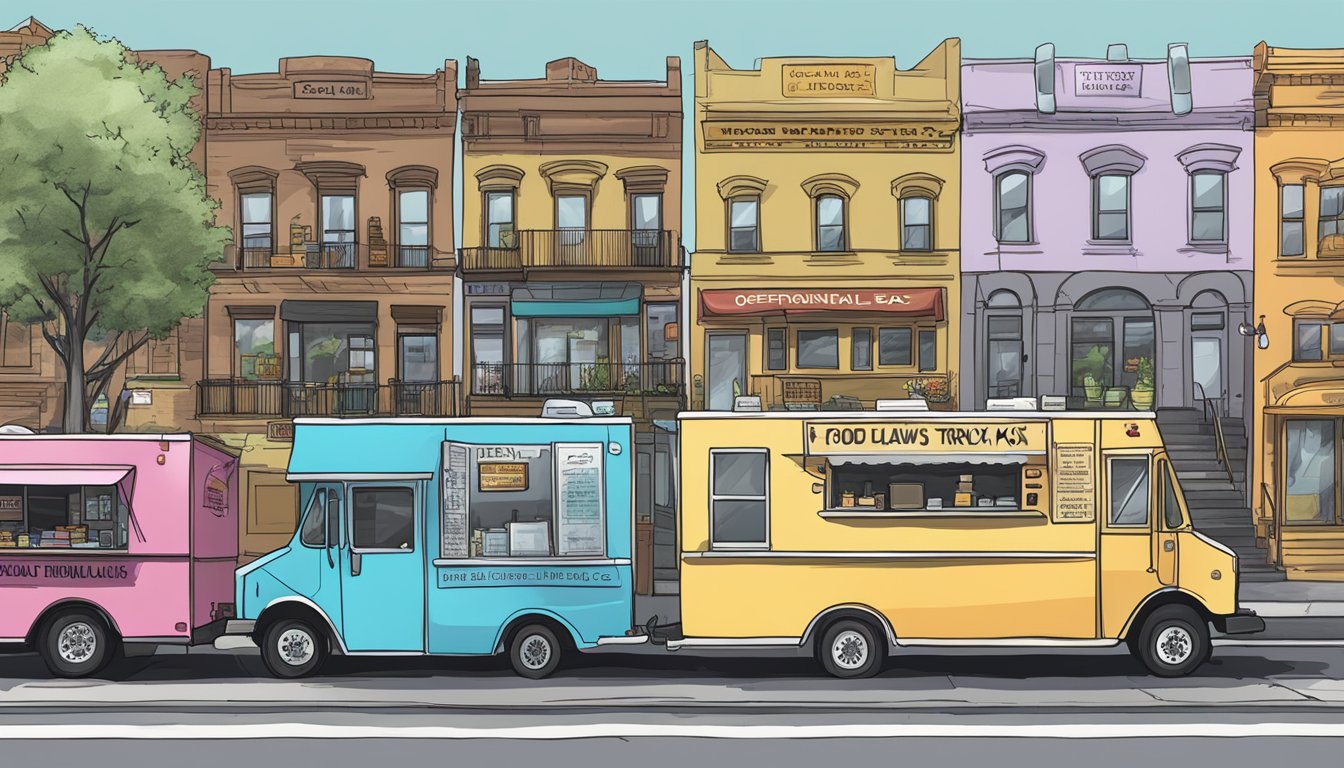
(928, 467)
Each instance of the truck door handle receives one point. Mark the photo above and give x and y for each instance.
(1168, 546)
(356, 561)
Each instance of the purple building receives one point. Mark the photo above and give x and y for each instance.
(1106, 230)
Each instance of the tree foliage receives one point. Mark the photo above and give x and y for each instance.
(106, 229)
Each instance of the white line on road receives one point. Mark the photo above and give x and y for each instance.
(248, 732)
(1226, 641)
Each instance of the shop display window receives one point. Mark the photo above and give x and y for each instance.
(893, 486)
(63, 517)
(506, 501)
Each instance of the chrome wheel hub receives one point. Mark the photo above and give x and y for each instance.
(1174, 645)
(77, 642)
(849, 650)
(535, 651)
(295, 646)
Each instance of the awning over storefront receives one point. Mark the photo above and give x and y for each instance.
(576, 300)
(329, 311)
(64, 474)
(922, 302)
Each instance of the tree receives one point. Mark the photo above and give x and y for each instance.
(106, 230)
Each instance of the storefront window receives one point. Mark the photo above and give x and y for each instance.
(1129, 492)
(928, 350)
(62, 517)
(739, 505)
(744, 224)
(895, 346)
(1291, 218)
(776, 349)
(819, 348)
(419, 357)
(526, 501)
(254, 347)
(1310, 471)
(334, 353)
(861, 349)
(1110, 324)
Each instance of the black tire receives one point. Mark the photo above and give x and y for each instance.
(293, 648)
(535, 651)
(851, 649)
(76, 643)
(1173, 642)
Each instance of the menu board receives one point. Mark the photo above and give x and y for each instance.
(578, 495)
(11, 508)
(453, 507)
(502, 476)
(1075, 483)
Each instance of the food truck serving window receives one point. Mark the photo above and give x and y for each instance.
(503, 501)
(926, 483)
(62, 517)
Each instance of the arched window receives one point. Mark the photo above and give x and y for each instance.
(1012, 206)
(1112, 350)
(830, 217)
(1003, 332)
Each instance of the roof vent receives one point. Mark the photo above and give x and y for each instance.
(909, 404)
(1010, 404)
(565, 409)
(1178, 75)
(1117, 52)
(1045, 78)
(747, 404)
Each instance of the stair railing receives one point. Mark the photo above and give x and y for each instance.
(1271, 535)
(1210, 410)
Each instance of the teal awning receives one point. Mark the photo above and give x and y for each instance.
(576, 300)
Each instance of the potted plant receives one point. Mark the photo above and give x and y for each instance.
(1145, 391)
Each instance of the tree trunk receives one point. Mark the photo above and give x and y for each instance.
(76, 412)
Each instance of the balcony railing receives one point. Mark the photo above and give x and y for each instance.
(854, 391)
(412, 256)
(576, 249)
(238, 397)
(657, 378)
(255, 255)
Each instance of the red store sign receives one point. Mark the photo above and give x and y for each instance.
(908, 301)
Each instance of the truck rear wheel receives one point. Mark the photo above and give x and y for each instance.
(1173, 642)
(535, 651)
(76, 643)
(293, 648)
(851, 649)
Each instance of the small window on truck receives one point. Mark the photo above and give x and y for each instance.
(1129, 492)
(383, 519)
(1171, 500)
(739, 503)
(313, 533)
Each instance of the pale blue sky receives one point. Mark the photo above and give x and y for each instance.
(514, 38)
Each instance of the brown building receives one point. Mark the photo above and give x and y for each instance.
(336, 297)
(572, 259)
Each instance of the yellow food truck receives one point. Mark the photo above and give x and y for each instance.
(856, 533)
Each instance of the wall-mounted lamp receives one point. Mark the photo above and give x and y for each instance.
(1258, 331)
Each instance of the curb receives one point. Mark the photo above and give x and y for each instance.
(1296, 610)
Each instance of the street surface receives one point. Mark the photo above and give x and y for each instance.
(656, 709)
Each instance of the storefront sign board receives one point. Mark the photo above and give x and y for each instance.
(330, 89)
(1107, 79)
(830, 80)
(849, 437)
(908, 301)
(800, 134)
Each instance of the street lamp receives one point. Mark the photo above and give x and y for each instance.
(1258, 331)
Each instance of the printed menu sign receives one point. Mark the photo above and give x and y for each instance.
(453, 507)
(578, 494)
(1075, 483)
(502, 476)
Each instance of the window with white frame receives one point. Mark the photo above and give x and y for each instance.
(1110, 207)
(739, 498)
(1012, 202)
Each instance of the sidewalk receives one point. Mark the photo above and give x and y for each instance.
(1294, 599)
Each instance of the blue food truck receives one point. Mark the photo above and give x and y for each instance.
(461, 536)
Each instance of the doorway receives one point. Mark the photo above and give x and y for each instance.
(1208, 350)
(725, 370)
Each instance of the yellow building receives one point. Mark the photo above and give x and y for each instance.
(1299, 294)
(826, 272)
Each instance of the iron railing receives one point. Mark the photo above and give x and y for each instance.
(239, 397)
(258, 253)
(1211, 410)
(412, 256)
(660, 377)
(576, 249)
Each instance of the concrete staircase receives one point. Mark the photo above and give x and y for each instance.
(1218, 505)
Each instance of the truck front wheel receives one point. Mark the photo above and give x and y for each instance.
(1173, 642)
(76, 644)
(293, 648)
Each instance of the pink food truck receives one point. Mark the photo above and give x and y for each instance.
(112, 539)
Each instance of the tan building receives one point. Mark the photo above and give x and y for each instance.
(336, 296)
(571, 261)
(1299, 294)
(826, 271)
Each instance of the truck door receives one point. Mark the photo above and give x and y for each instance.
(1129, 567)
(1168, 521)
(382, 568)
